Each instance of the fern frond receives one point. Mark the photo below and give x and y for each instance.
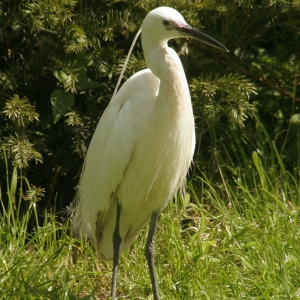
(20, 111)
(21, 151)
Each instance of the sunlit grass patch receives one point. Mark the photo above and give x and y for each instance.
(239, 241)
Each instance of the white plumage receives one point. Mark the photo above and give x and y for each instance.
(143, 145)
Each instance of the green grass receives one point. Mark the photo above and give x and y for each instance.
(239, 240)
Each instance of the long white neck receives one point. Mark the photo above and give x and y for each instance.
(166, 65)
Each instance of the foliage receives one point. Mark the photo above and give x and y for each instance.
(21, 113)
(239, 232)
(228, 242)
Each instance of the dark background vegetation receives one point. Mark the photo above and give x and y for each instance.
(60, 61)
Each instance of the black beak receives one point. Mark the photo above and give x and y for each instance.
(189, 31)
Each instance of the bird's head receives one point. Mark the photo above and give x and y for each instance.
(165, 23)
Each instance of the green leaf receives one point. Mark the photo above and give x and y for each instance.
(61, 76)
(295, 119)
(79, 67)
(61, 102)
(85, 83)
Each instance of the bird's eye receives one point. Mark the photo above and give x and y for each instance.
(166, 23)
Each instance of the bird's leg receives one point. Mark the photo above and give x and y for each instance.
(149, 253)
(116, 245)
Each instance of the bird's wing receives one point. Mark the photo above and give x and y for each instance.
(112, 146)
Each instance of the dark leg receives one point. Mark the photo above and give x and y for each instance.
(149, 252)
(116, 244)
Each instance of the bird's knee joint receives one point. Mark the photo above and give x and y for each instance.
(150, 249)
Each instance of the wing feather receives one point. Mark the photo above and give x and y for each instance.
(111, 149)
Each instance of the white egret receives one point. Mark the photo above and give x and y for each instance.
(142, 148)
